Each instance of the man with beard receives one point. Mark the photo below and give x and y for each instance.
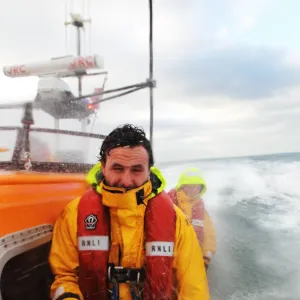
(125, 236)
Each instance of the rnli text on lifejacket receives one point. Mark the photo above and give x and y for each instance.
(159, 248)
(96, 242)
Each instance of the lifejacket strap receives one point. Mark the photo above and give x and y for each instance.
(206, 260)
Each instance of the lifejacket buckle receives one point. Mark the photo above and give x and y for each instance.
(125, 275)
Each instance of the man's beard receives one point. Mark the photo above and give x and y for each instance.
(127, 188)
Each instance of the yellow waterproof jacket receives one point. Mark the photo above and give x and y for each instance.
(188, 263)
(193, 176)
(210, 241)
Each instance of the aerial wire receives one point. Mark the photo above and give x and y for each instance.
(90, 27)
(83, 29)
(151, 68)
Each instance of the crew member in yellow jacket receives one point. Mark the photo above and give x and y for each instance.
(187, 196)
(124, 236)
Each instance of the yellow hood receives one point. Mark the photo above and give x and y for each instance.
(192, 176)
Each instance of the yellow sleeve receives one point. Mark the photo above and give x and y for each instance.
(210, 241)
(188, 262)
(63, 257)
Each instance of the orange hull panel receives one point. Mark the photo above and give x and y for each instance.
(31, 199)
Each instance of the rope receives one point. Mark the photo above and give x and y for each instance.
(103, 86)
(104, 81)
(115, 294)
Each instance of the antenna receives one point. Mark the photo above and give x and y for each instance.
(78, 21)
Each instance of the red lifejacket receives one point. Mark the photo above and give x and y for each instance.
(93, 245)
(197, 219)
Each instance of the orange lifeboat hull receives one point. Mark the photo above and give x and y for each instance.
(29, 199)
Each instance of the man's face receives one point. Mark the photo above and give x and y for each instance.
(127, 167)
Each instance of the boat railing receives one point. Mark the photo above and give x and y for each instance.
(50, 150)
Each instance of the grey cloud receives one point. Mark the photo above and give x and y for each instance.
(178, 128)
(281, 105)
(273, 121)
(238, 72)
(269, 132)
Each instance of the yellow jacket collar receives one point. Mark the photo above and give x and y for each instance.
(158, 182)
(122, 199)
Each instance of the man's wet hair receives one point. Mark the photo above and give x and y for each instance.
(127, 135)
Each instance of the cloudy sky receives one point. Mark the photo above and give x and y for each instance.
(227, 71)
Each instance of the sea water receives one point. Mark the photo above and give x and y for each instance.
(254, 203)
